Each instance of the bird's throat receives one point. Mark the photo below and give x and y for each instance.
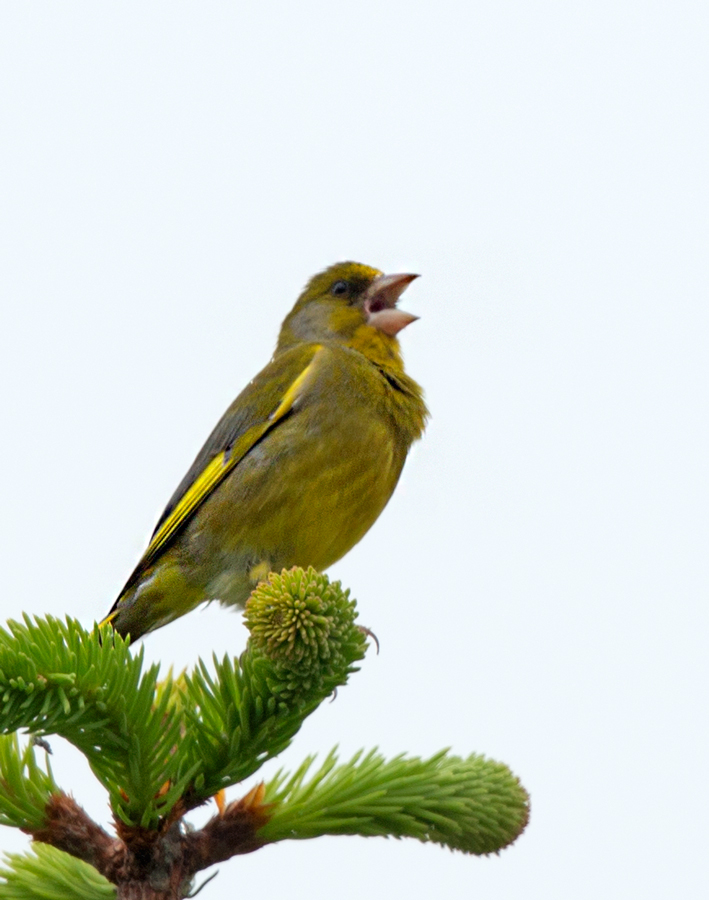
(379, 347)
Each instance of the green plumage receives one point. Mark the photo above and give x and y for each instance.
(301, 464)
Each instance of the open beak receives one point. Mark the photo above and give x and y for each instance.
(380, 300)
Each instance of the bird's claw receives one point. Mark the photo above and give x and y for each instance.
(370, 634)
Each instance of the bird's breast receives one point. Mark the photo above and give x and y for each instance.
(307, 492)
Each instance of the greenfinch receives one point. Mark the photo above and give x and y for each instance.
(301, 464)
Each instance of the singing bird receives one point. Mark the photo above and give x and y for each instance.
(301, 464)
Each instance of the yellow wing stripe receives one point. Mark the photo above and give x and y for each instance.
(203, 485)
(220, 466)
(295, 390)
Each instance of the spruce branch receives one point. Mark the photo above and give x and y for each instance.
(304, 644)
(48, 874)
(162, 748)
(154, 745)
(57, 678)
(474, 805)
(25, 788)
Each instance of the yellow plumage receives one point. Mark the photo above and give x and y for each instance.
(301, 464)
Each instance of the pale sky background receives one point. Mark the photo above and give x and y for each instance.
(170, 176)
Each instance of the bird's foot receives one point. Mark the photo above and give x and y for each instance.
(370, 634)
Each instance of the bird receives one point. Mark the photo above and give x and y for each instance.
(301, 464)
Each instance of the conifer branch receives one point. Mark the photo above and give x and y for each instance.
(56, 678)
(303, 645)
(25, 788)
(474, 805)
(162, 748)
(48, 874)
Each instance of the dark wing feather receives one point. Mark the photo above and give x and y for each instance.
(258, 409)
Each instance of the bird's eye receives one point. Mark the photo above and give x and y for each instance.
(340, 289)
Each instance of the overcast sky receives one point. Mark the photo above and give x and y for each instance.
(172, 174)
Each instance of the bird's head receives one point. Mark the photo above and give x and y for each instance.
(343, 300)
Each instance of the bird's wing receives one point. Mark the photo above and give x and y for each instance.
(265, 402)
